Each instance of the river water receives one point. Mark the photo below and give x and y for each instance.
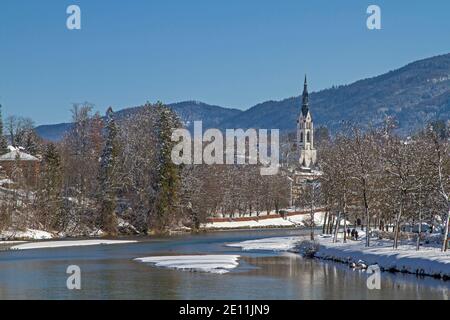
(109, 272)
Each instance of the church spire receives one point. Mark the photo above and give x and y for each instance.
(305, 100)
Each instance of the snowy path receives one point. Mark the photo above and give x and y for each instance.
(290, 221)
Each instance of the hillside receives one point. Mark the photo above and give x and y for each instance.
(414, 95)
(188, 111)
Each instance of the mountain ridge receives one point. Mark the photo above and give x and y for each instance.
(414, 94)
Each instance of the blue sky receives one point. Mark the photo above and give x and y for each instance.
(231, 53)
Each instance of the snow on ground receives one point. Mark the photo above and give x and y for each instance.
(205, 263)
(429, 260)
(5, 181)
(269, 244)
(291, 221)
(72, 243)
(27, 234)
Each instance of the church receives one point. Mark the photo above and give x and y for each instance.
(305, 133)
(307, 154)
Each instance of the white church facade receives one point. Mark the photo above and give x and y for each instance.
(307, 154)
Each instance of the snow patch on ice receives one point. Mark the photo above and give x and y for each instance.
(205, 263)
(73, 243)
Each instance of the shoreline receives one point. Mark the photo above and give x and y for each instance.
(7, 245)
(429, 261)
(445, 278)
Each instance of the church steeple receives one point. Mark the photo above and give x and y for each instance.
(305, 132)
(305, 99)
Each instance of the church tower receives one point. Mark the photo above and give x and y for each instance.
(305, 133)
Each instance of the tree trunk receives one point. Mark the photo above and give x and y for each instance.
(420, 226)
(325, 222)
(397, 226)
(366, 209)
(336, 230)
(345, 218)
(445, 242)
(331, 224)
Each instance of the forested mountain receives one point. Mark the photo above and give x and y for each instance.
(414, 94)
(188, 111)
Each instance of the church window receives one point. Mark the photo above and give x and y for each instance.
(308, 137)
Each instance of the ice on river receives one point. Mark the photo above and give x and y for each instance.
(270, 244)
(74, 243)
(205, 263)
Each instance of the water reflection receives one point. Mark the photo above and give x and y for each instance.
(313, 279)
(109, 272)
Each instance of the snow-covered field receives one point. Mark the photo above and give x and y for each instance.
(291, 221)
(205, 263)
(72, 243)
(429, 260)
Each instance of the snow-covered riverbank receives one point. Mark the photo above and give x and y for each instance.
(66, 243)
(429, 260)
(28, 234)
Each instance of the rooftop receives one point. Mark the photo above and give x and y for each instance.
(16, 152)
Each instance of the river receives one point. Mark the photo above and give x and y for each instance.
(109, 272)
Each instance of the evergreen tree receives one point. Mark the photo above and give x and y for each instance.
(50, 199)
(107, 176)
(167, 180)
(3, 141)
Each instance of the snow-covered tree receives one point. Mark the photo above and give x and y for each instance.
(440, 159)
(49, 194)
(167, 180)
(108, 176)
